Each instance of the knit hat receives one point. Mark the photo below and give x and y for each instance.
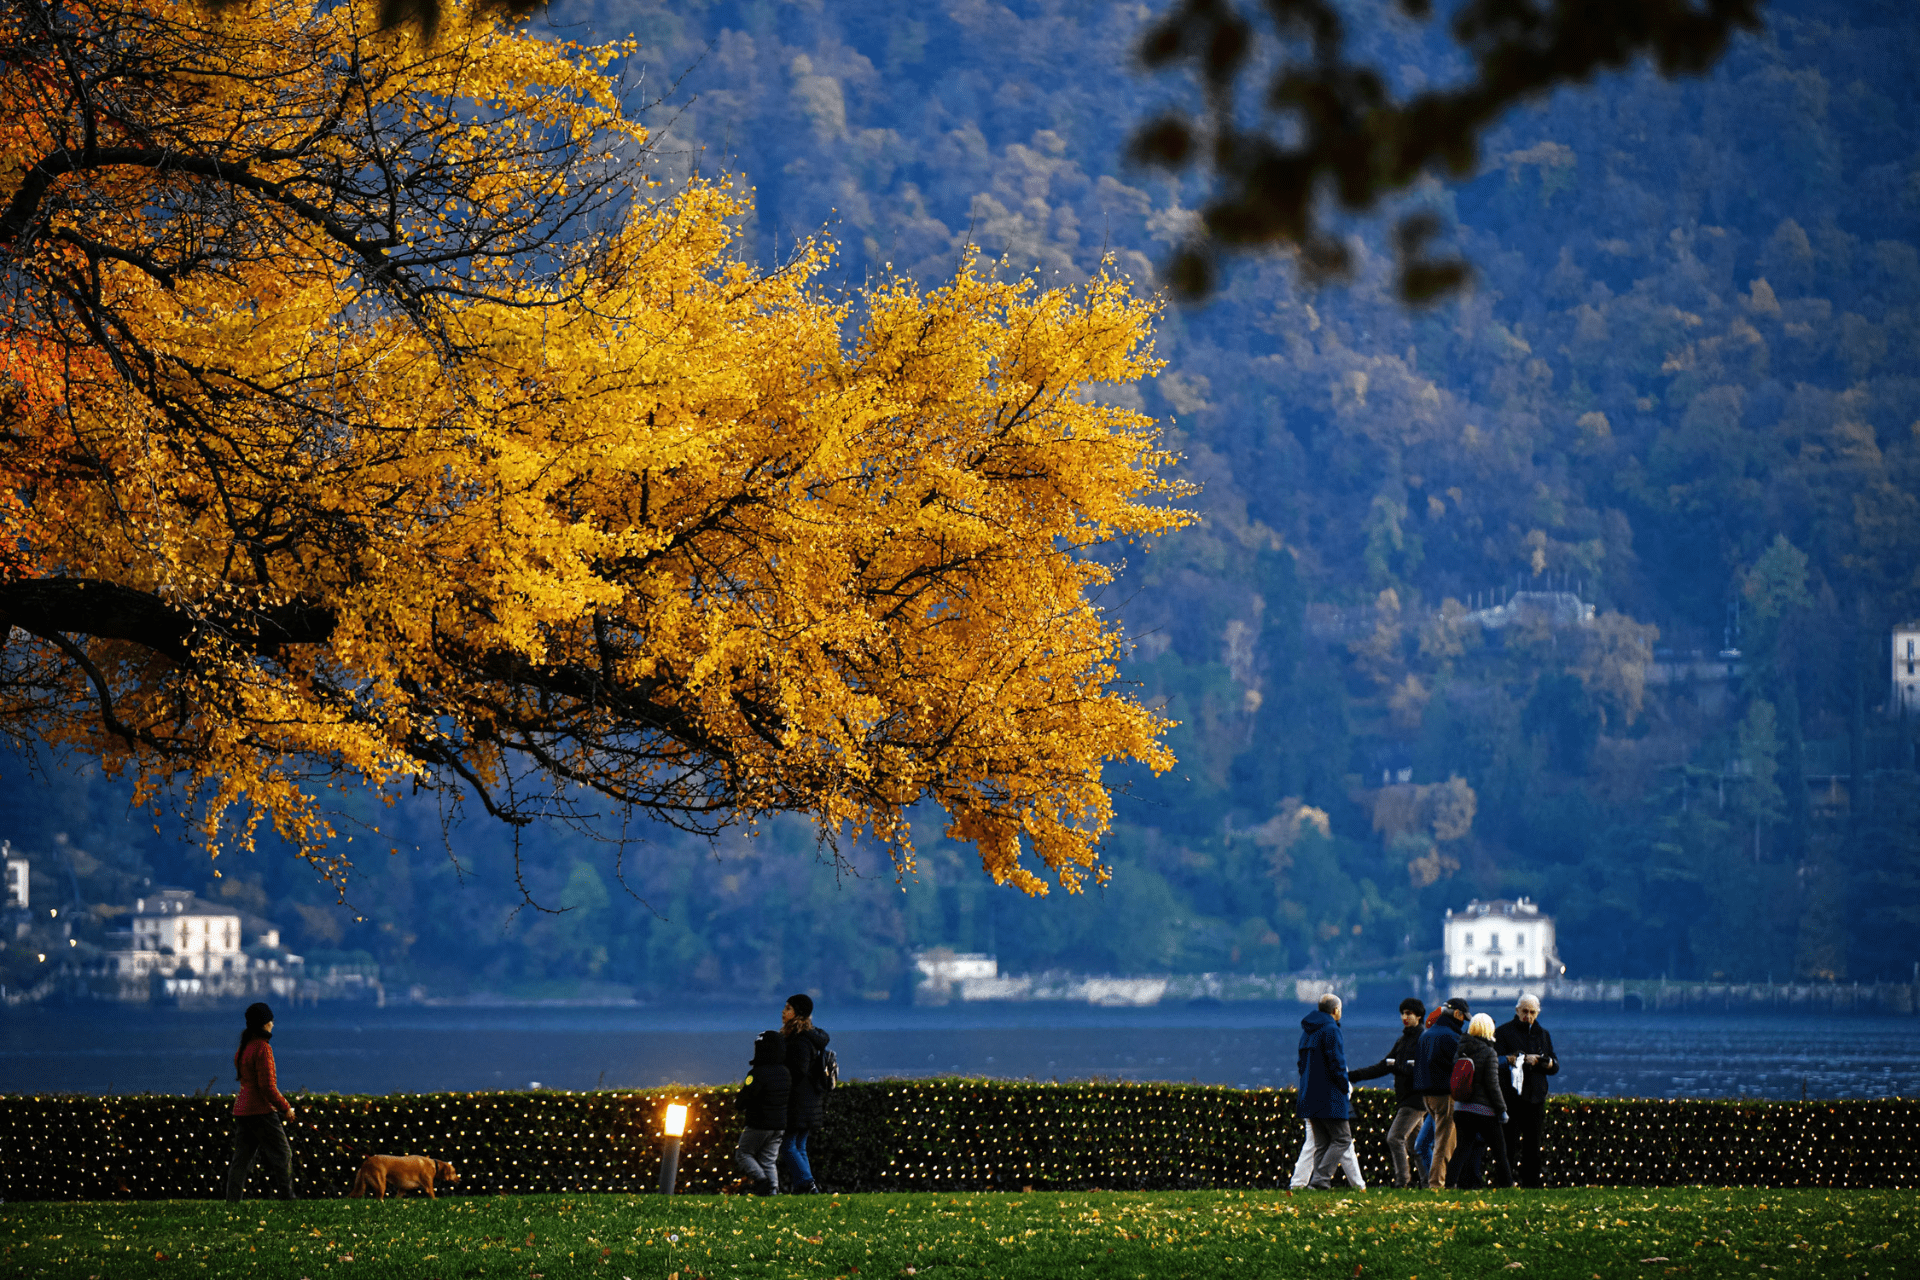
(259, 1014)
(802, 1005)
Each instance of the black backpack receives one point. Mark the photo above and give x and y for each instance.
(826, 1071)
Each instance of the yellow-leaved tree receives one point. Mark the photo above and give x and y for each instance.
(369, 415)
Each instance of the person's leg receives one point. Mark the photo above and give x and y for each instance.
(246, 1149)
(1406, 1122)
(1423, 1146)
(1303, 1167)
(1499, 1169)
(277, 1154)
(1528, 1150)
(793, 1154)
(770, 1160)
(1350, 1162)
(1333, 1138)
(1463, 1171)
(1443, 1140)
(747, 1155)
(764, 1154)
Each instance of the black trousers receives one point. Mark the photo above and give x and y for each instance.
(1482, 1140)
(261, 1138)
(1526, 1122)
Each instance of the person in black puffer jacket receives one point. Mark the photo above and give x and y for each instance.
(1411, 1109)
(805, 1107)
(1479, 1122)
(764, 1098)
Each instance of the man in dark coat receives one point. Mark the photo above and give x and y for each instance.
(1433, 1080)
(764, 1100)
(1324, 1087)
(1411, 1108)
(1525, 1048)
(805, 1107)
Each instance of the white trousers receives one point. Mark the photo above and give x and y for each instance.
(1303, 1167)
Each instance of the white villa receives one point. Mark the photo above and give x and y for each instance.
(1501, 939)
(174, 930)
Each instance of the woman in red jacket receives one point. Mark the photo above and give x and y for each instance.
(257, 1131)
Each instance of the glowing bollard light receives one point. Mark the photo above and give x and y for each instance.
(674, 1127)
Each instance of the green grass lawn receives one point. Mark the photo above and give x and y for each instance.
(1568, 1235)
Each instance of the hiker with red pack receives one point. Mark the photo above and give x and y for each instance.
(1479, 1113)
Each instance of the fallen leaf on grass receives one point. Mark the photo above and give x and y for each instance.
(1653, 1259)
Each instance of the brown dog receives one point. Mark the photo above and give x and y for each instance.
(401, 1173)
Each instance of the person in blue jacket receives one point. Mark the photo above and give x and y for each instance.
(1433, 1078)
(1324, 1088)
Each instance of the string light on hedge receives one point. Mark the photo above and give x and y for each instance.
(930, 1135)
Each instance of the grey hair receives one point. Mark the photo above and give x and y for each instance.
(1526, 1001)
(1329, 1003)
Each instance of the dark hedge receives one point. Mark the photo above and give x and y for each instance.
(902, 1135)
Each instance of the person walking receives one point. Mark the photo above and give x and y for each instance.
(1478, 1120)
(1423, 1141)
(1323, 1101)
(1309, 1155)
(258, 1132)
(764, 1098)
(1526, 1055)
(1432, 1079)
(805, 1108)
(1410, 1110)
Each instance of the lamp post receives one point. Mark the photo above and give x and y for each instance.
(674, 1127)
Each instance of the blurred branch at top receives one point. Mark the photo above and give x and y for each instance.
(1328, 126)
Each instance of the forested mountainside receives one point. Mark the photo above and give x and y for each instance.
(1684, 389)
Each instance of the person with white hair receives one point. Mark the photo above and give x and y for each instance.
(1479, 1116)
(1527, 1059)
(1324, 1088)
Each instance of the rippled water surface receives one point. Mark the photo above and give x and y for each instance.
(417, 1049)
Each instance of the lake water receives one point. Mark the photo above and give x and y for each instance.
(412, 1049)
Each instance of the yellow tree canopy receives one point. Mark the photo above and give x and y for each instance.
(365, 413)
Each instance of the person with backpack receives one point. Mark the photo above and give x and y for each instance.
(1433, 1080)
(810, 1065)
(1410, 1110)
(1479, 1115)
(1323, 1099)
(764, 1099)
